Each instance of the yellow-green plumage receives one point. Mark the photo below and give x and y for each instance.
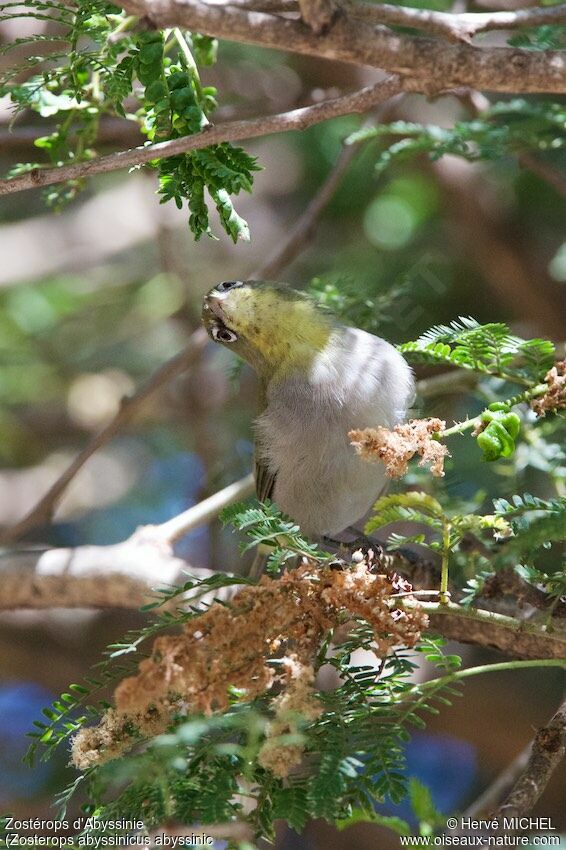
(280, 329)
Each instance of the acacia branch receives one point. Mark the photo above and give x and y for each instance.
(496, 631)
(548, 750)
(457, 27)
(122, 576)
(431, 65)
(117, 576)
(283, 122)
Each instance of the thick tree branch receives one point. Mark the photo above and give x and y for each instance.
(118, 576)
(507, 5)
(548, 750)
(497, 631)
(297, 119)
(430, 64)
(122, 575)
(455, 27)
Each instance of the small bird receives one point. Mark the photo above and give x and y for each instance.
(319, 379)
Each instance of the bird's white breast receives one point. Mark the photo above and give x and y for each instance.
(358, 381)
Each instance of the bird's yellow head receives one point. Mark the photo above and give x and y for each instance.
(278, 330)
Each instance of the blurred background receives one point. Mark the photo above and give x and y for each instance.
(94, 299)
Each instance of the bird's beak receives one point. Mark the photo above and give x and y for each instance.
(212, 310)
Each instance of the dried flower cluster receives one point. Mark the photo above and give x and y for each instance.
(230, 645)
(396, 447)
(293, 706)
(555, 397)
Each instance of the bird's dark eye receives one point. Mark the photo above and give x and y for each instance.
(229, 284)
(222, 334)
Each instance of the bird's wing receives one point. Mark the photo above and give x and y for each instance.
(264, 477)
(264, 480)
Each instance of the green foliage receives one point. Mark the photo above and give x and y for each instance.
(540, 38)
(428, 816)
(265, 525)
(443, 531)
(505, 128)
(520, 529)
(536, 524)
(124, 66)
(202, 769)
(489, 348)
(204, 766)
(348, 301)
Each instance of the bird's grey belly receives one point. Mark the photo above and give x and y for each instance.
(325, 495)
(358, 381)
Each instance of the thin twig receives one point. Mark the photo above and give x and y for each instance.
(547, 751)
(302, 230)
(42, 512)
(296, 119)
(201, 514)
(500, 786)
(457, 27)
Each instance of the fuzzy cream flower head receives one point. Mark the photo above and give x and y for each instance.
(297, 703)
(396, 447)
(554, 398)
(232, 646)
